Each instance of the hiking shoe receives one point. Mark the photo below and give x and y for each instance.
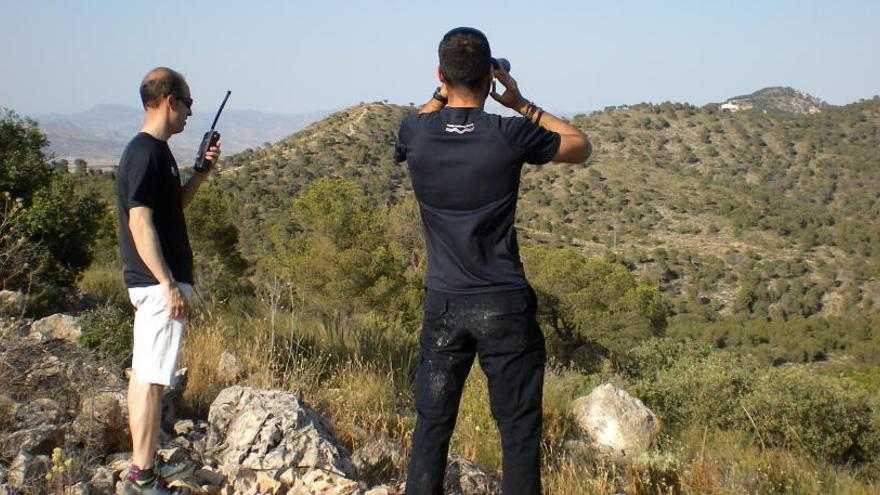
(155, 487)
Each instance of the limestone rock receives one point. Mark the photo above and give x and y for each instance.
(228, 368)
(102, 421)
(378, 460)
(318, 482)
(12, 303)
(39, 440)
(27, 469)
(172, 398)
(619, 426)
(57, 326)
(264, 430)
(465, 478)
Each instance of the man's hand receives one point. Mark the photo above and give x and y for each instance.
(176, 301)
(511, 98)
(212, 156)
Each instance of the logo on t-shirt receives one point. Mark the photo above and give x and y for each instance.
(459, 128)
(174, 170)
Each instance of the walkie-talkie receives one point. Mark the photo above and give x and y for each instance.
(210, 139)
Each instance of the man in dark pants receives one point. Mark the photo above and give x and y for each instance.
(465, 166)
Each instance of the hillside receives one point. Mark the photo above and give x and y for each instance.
(765, 214)
(777, 99)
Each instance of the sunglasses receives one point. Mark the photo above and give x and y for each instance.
(185, 99)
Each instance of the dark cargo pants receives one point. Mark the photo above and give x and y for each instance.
(501, 329)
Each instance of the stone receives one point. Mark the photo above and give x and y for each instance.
(27, 469)
(619, 427)
(38, 411)
(179, 458)
(39, 440)
(267, 483)
(210, 477)
(228, 368)
(183, 427)
(465, 478)
(378, 460)
(172, 398)
(264, 430)
(102, 421)
(12, 303)
(318, 482)
(57, 326)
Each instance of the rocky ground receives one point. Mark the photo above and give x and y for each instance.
(64, 429)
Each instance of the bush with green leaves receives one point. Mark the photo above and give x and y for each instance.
(220, 269)
(43, 209)
(794, 407)
(586, 301)
(107, 330)
(700, 388)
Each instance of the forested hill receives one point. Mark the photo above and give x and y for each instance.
(728, 212)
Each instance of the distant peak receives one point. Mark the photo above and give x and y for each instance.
(777, 99)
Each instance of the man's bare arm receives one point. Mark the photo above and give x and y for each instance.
(574, 147)
(146, 242)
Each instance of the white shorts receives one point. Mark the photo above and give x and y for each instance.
(156, 335)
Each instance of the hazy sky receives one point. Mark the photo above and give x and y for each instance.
(296, 56)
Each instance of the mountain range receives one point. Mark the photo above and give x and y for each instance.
(99, 134)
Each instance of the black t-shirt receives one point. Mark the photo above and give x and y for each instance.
(465, 168)
(148, 176)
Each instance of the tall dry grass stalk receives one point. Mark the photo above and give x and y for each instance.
(359, 371)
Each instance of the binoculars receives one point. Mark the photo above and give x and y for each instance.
(501, 62)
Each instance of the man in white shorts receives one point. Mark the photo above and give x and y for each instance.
(158, 263)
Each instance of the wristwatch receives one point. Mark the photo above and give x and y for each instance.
(437, 96)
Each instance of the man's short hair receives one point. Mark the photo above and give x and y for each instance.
(159, 83)
(465, 57)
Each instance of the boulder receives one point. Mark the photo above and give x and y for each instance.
(28, 470)
(268, 431)
(318, 482)
(619, 427)
(38, 440)
(102, 421)
(378, 460)
(172, 398)
(57, 326)
(465, 478)
(228, 368)
(12, 303)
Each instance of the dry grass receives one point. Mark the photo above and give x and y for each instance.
(359, 374)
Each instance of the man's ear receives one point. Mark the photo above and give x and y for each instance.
(440, 75)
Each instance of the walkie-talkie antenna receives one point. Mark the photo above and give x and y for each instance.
(228, 92)
(209, 139)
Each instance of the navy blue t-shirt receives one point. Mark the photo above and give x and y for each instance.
(465, 169)
(148, 176)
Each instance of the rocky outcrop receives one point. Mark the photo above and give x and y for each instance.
(618, 427)
(269, 431)
(57, 326)
(57, 404)
(54, 396)
(12, 303)
(378, 460)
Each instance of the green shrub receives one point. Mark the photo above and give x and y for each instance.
(707, 390)
(107, 330)
(646, 360)
(796, 408)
